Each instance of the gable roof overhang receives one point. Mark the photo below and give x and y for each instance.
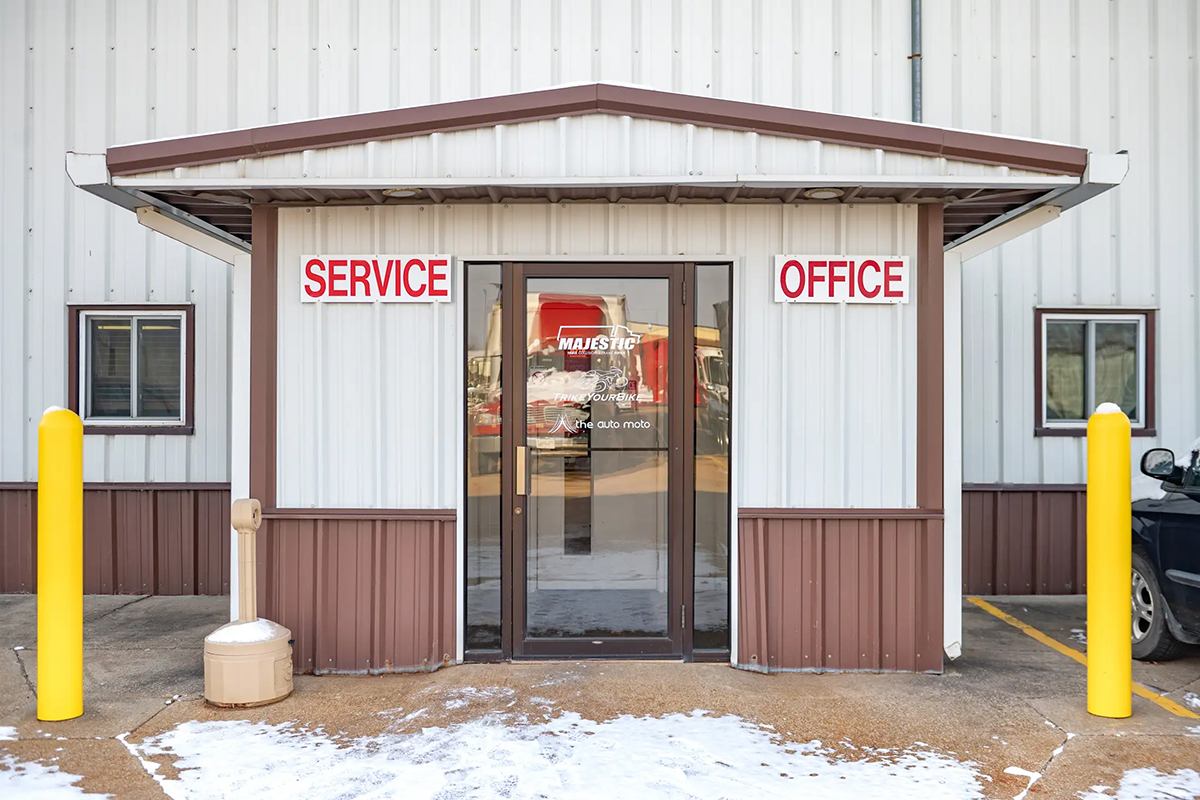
(210, 181)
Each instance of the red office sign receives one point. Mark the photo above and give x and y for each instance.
(375, 279)
(841, 279)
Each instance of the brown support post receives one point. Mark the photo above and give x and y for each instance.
(263, 335)
(930, 349)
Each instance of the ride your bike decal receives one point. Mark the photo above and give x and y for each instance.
(610, 384)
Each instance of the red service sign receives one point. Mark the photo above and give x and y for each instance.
(841, 279)
(375, 279)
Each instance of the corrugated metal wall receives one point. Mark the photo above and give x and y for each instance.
(80, 76)
(1109, 76)
(840, 593)
(595, 145)
(85, 75)
(1024, 540)
(361, 595)
(825, 395)
(136, 540)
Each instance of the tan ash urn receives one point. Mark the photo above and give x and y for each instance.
(247, 662)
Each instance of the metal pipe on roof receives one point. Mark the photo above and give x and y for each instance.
(915, 58)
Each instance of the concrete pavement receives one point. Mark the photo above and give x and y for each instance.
(1009, 701)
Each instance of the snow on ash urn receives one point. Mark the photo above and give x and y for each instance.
(247, 662)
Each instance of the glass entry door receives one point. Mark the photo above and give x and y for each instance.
(597, 508)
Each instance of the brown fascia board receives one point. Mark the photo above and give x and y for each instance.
(772, 120)
(596, 98)
(350, 129)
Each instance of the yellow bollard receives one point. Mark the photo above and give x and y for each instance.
(1109, 549)
(60, 566)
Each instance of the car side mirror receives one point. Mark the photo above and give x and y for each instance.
(1160, 463)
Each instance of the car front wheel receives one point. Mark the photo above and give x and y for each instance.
(1152, 639)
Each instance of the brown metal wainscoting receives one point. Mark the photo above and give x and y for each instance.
(1024, 539)
(363, 591)
(840, 589)
(164, 539)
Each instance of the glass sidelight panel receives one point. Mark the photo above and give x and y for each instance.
(597, 437)
(1066, 370)
(714, 393)
(1116, 365)
(482, 522)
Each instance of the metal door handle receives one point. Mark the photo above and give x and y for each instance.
(521, 479)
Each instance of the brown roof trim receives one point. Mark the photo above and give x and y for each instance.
(603, 99)
(1024, 487)
(413, 514)
(840, 513)
(120, 486)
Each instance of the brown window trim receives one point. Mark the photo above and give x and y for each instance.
(188, 427)
(1040, 428)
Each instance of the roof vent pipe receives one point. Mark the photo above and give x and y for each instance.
(915, 58)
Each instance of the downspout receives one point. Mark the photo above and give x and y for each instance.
(915, 58)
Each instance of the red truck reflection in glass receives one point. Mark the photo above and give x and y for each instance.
(579, 347)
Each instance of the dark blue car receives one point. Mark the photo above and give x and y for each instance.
(1166, 559)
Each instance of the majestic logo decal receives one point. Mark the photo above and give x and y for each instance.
(596, 338)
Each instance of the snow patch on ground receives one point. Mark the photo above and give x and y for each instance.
(461, 698)
(1192, 700)
(1148, 783)
(1023, 773)
(30, 780)
(688, 755)
(8, 733)
(260, 630)
(399, 717)
(1079, 635)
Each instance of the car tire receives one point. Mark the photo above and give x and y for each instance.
(1152, 639)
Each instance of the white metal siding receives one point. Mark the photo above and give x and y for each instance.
(593, 145)
(80, 76)
(86, 75)
(825, 403)
(1108, 76)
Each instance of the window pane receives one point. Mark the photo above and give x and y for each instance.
(1191, 479)
(1066, 367)
(1117, 366)
(483, 457)
(159, 356)
(108, 367)
(714, 387)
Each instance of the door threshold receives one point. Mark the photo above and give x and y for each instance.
(598, 660)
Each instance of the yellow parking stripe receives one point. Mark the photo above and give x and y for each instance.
(1070, 652)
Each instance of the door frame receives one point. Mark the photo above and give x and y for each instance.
(681, 465)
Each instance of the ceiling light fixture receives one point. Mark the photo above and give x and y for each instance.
(401, 192)
(828, 193)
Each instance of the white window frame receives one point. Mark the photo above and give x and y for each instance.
(1090, 361)
(85, 362)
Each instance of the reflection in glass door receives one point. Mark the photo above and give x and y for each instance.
(596, 465)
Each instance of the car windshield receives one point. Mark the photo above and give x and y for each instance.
(1191, 479)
